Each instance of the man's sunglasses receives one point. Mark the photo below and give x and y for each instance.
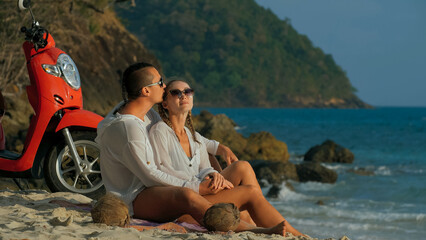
(161, 83)
(176, 92)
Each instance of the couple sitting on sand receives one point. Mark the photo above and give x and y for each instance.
(160, 168)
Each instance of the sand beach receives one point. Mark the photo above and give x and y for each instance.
(38, 214)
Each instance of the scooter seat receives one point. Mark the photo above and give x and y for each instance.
(9, 155)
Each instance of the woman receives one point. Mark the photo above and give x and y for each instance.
(179, 152)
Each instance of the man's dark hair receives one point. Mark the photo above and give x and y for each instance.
(134, 79)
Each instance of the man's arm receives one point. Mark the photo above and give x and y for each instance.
(146, 170)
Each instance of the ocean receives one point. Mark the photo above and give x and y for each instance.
(389, 142)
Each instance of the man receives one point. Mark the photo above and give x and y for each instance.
(127, 164)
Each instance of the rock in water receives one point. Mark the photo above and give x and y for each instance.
(329, 152)
(275, 172)
(222, 217)
(313, 171)
(111, 210)
(274, 191)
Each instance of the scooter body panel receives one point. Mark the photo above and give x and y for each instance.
(79, 117)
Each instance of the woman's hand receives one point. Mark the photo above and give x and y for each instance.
(206, 187)
(219, 182)
(227, 154)
(214, 183)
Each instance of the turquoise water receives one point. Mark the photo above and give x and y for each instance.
(391, 142)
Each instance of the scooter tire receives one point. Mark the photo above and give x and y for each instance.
(60, 170)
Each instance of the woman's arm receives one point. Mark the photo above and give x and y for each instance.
(205, 167)
(218, 182)
(211, 145)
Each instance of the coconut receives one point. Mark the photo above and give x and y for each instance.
(222, 217)
(111, 210)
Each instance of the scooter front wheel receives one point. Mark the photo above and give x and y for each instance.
(62, 174)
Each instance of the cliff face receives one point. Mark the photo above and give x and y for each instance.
(99, 44)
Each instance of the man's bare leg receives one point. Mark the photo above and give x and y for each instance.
(166, 203)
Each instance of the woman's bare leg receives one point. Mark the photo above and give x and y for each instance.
(250, 198)
(240, 173)
(163, 204)
(280, 228)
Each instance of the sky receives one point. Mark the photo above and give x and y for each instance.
(380, 44)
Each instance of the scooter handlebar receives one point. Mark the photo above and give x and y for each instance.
(37, 35)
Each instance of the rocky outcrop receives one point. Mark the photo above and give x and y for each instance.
(261, 145)
(275, 172)
(329, 152)
(264, 145)
(314, 171)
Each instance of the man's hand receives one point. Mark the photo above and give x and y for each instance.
(227, 154)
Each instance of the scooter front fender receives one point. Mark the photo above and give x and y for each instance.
(80, 118)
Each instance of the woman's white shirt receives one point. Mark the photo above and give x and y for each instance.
(171, 158)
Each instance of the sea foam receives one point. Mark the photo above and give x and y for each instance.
(383, 171)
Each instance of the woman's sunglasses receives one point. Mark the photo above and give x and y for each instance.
(176, 92)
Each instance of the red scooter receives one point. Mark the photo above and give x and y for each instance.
(60, 142)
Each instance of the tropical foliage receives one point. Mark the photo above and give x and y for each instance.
(236, 53)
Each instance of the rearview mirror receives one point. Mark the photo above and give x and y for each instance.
(24, 4)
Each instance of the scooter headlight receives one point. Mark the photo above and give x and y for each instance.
(66, 69)
(69, 71)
